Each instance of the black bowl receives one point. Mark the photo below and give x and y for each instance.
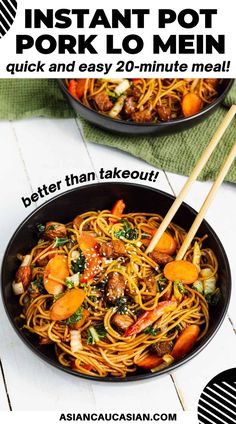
(136, 129)
(102, 196)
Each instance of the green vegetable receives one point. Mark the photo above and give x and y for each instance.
(95, 334)
(198, 286)
(60, 241)
(77, 316)
(151, 331)
(40, 229)
(213, 298)
(93, 298)
(128, 232)
(51, 228)
(79, 264)
(121, 304)
(37, 286)
(180, 287)
(72, 281)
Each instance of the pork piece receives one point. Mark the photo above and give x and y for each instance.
(164, 113)
(103, 102)
(136, 93)
(160, 258)
(130, 106)
(122, 321)
(23, 275)
(55, 229)
(142, 116)
(151, 283)
(115, 287)
(162, 348)
(113, 249)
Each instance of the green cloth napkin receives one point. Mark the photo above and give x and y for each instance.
(175, 153)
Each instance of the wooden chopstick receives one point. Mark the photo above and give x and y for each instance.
(200, 216)
(196, 171)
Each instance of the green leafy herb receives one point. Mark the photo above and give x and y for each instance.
(95, 334)
(128, 232)
(60, 241)
(151, 331)
(121, 304)
(72, 281)
(57, 296)
(93, 298)
(78, 265)
(77, 316)
(37, 286)
(181, 287)
(161, 284)
(213, 298)
(40, 229)
(51, 228)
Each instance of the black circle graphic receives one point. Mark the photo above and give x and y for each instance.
(7, 15)
(217, 403)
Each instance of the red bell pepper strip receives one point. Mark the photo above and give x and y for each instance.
(149, 317)
(118, 208)
(77, 87)
(89, 247)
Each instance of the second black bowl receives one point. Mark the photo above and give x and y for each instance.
(64, 208)
(136, 129)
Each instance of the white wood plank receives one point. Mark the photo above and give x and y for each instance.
(219, 355)
(221, 216)
(158, 393)
(4, 405)
(51, 149)
(13, 183)
(108, 158)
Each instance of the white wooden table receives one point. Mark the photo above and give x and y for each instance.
(38, 151)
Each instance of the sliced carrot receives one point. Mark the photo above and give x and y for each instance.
(118, 208)
(57, 267)
(181, 270)
(150, 361)
(80, 323)
(185, 342)
(67, 305)
(166, 244)
(191, 104)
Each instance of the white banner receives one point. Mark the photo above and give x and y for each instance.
(38, 417)
(49, 39)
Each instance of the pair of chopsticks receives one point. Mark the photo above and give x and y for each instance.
(196, 171)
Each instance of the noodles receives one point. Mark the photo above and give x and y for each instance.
(115, 310)
(145, 100)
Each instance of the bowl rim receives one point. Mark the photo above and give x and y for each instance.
(169, 124)
(129, 378)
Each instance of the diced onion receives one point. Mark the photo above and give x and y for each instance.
(26, 261)
(117, 107)
(17, 288)
(122, 87)
(75, 341)
(196, 255)
(167, 361)
(209, 281)
(74, 255)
